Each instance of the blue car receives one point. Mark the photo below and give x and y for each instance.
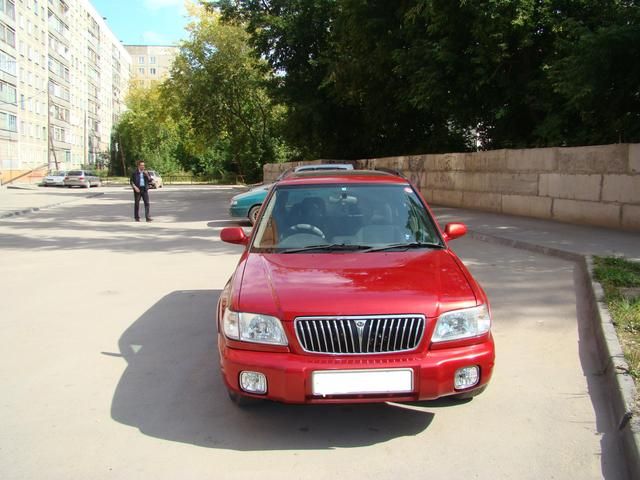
(247, 204)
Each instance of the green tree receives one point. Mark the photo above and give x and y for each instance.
(597, 75)
(218, 85)
(373, 77)
(147, 131)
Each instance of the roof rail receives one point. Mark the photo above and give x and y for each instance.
(284, 174)
(391, 171)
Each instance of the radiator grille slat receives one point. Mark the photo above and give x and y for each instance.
(360, 335)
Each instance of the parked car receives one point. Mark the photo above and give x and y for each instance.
(156, 178)
(82, 178)
(247, 204)
(54, 179)
(347, 291)
(323, 166)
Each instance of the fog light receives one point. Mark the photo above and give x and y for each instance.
(253, 382)
(466, 377)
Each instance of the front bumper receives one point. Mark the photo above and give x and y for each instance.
(238, 212)
(289, 375)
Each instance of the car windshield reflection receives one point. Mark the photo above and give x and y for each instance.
(344, 218)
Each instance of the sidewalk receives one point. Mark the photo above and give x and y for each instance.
(544, 236)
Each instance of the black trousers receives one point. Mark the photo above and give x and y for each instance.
(144, 194)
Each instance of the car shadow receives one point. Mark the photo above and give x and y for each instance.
(172, 389)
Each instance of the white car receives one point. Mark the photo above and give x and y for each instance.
(82, 178)
(54, 179)
(323, 167)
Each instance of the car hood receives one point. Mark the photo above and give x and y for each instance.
(253, 193)
(290, 285)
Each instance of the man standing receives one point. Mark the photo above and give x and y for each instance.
(140, 181)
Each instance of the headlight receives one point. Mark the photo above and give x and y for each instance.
(459, 324)
(253, 327)
(234, 203)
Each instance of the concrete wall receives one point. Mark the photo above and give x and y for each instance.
(597, 185)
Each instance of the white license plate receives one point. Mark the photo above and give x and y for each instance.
(351, 382)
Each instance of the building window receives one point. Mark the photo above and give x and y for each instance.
(8, 121)
(60, 113)
(141, 71)
(7, 63)
(60, 134)
(8, 7)
(152, 60)
(141, 60)
(8, 93)
(152, 71)
(7, 34)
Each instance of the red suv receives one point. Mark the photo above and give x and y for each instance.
(348, 292)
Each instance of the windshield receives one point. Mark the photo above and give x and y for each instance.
(344, 217)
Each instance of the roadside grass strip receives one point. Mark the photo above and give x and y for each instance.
(620, 280)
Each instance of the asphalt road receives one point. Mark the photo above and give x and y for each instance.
(109, 368)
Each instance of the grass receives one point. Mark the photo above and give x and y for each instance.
(616, 276)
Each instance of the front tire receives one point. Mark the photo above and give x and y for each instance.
(253, 214)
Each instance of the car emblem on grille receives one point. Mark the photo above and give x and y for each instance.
(360, 327)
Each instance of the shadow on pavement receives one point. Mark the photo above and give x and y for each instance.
(111, 226)
(172, 389)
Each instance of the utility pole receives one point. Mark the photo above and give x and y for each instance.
(124, 170)
(52, 148)
(86, 140)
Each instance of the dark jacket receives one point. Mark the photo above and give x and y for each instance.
(135, 179)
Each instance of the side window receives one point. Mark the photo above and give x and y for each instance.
(417, 221)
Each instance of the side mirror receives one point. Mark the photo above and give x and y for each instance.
(234, 235)
(454, 230)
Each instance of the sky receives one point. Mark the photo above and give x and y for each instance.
(145, 22)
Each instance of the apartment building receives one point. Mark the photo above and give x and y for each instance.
(63, 78)
(8, 85)
(150, 63)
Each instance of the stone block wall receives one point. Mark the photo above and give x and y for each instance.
(596, 185)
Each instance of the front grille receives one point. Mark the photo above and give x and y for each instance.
(360, 335)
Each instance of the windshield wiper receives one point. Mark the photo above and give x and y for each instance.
(329, 247)
(404, 245)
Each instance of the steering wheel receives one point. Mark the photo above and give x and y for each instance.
(306, 228)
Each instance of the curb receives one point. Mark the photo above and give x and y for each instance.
(613, 366)
(37, 209)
